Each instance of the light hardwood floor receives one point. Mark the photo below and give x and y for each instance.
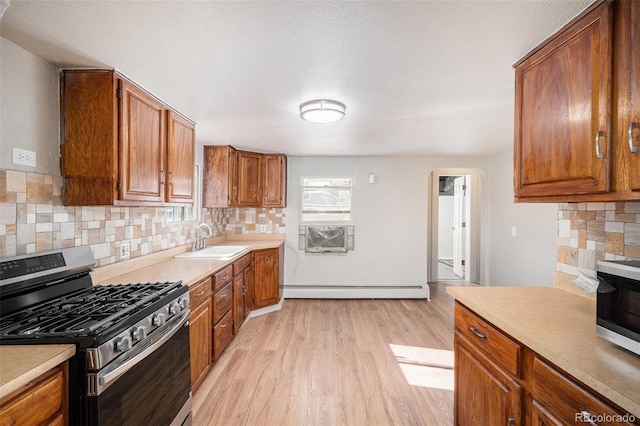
(337, 362)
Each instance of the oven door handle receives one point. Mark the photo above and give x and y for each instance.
(103, 380)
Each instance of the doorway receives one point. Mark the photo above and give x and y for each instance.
(454, 226)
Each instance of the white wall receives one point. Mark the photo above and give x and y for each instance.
(390, 219)
(445, 227)
(29, 108)
(529, 258)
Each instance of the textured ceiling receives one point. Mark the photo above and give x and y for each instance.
(418, 78)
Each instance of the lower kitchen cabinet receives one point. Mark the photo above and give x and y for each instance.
(499, 381)
(268, 276)
(222, 321)
(43, 401)
(242, 291)
(200, 331)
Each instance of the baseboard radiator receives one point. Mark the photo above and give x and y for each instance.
(356, 292)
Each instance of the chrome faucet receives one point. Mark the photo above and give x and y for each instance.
(201, 240)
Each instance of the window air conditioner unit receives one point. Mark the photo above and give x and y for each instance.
(326, 238)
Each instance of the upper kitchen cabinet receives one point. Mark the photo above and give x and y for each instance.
(219, 183)
(563, 111)
(249, 179)
(234, 178)
(120, 145)
(627, 92)
(180, 158)
(275, 180)
(577, 121)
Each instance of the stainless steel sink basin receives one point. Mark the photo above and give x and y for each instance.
(215, 252)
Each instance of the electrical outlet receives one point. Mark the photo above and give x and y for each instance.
(263, 229)
(513, 231)
(125, 250)
(24, 157)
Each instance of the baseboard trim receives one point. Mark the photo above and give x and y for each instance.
(359, 292)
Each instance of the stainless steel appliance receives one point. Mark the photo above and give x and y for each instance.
(618, 303)
(132, 340)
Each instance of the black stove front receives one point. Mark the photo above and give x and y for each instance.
(132, 340)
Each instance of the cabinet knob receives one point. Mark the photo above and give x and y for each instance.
(161, 177)
(632, 147)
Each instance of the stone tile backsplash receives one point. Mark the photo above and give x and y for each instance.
(588, 232)
(33, 219)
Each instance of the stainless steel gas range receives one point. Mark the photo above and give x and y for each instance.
(132, 340)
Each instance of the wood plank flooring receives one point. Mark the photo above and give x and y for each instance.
(337, 362)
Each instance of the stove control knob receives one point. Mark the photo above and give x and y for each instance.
(184, 303)
(139, 333)
(158, 320)
(175, 308)
(123, 344)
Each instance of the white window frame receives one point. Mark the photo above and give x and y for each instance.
(326, 219)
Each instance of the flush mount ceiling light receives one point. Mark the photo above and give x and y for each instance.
(322, 111)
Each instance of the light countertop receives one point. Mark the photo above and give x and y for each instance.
(561, 327)
(189, 270)
(20, 364)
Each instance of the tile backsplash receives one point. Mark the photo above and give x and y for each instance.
(33, 219)
(589, 232)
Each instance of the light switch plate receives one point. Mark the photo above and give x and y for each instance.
(23, 157)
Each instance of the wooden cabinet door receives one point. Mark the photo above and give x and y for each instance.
(266, 291)
(628, 79)
(180, 158)
(142, 145)
(275, 181)
(248, 291)
(238, 302)
(219, 179)
(563, 112)
(200, 342)
(484, 396)
(249, 179)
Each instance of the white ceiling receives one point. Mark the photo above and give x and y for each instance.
(418, 78)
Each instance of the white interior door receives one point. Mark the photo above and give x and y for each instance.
(459, 224)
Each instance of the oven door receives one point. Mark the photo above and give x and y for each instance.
(151, 388)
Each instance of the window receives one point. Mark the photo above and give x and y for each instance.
(326, 199)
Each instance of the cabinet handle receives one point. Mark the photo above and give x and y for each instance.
(511, 422)
(600, 133)
(632, 147)
(588, 418)
(266, 191)
(224, 325)
(200, 293)
(170, 178)
(477, 333)
(161, 177)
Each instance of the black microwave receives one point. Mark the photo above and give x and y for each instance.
(618, 303)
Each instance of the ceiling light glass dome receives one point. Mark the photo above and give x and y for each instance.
(322, 111)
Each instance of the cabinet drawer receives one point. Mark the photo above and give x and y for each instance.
(199, 292)
(241, 265)
(222, 277)
(39, 402)
(567, 399)
(222, 334)
(222, 302)
(501, 349)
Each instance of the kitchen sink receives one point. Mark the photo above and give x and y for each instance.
(215, 252)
